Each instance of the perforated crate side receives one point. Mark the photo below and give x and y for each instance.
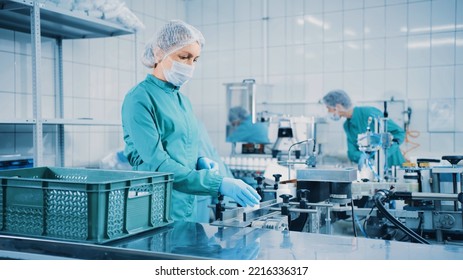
(66, 214)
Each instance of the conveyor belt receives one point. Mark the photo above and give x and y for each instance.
(184, 240)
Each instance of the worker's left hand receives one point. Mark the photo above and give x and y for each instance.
(207, 163)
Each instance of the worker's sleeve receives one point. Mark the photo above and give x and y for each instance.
(397, 132)
(352, 151)
(140, 123)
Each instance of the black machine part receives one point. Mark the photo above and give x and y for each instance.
(382, 196)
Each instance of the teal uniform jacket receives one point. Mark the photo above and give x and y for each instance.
(358, 124)
(161, 134)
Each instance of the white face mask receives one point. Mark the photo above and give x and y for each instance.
(179, 73)
(335, 116)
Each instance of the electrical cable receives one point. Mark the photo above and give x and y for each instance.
(378, 199)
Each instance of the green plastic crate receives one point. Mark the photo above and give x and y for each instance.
(83, 205)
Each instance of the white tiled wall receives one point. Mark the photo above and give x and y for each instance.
(97, 75)
(374, 49)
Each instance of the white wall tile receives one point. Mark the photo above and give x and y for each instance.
(458, 145)
(277, 35)
(353, 83)
(277, 61)
(374, 53)
(211, 36)
(374, 25)
(226, 11)
(441, 115)
(294, 8)
(442, 82)
(443, 15)
(195, 15)
(243, 63)
(334, 27)
(313, 6)
(242, 10)
(353, 24)
(257, 65)
(442, 143)
(226, 36)
(242, 35)
(23, 73)
(8, 100)
(313, 58)
(23, 106)
(48, 47)
(353, 4)
(22, 43)
(111, 91)
(353, 55)
(256, 34)
(209, 62)
(332, 5)
(97, 82)
(374, 3)
(81, 51)
(333, 57)
(97, 50)
(48, 76)
(373, 85)
(276, 8)
(443, 48)
(396, 52)
(294, 61)
(226, 63)
(6, 40)
(113, 110)
(419, 17)
(419, 50)
(395, 83)
(125, 55)
(459, 48)
(294, 30)
(7, 71)
(314, 87)
(419, 117)
(332, 81)
(314, 26)
(81, 75)
(111, 50)
(396, 20)
(458, 122)
(458, 81)
(209, 12)
(418, 83)
(48, 107)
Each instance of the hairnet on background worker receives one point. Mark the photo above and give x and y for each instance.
(161, 131)
(339, 105)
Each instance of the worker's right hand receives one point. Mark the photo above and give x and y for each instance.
(240, 192)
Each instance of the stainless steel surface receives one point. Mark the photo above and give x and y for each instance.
(346, 175)
(184, 240)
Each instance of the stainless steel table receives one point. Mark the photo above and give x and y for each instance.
(184, 240)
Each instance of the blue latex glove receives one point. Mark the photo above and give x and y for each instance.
(207, 163)
(239, 191)
(362, 161)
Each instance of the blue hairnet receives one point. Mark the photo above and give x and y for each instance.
(173, 36)
(337, 97)
(237, 113)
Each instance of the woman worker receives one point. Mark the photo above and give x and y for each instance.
(339, 105)
(161, 131)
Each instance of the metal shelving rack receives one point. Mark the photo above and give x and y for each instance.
(31, 16)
